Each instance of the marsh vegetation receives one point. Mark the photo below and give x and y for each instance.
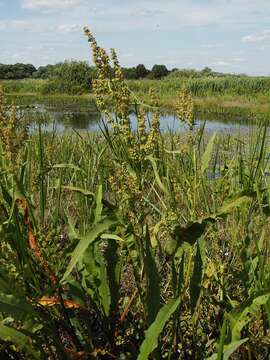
(133, 244)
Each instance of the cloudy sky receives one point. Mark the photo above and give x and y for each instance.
(226, 35)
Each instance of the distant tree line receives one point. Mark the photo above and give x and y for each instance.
(76, 70)
(75, 77)
(141, 72)
(17, 71)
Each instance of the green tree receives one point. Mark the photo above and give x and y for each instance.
(141, 71)
(130, 73)
(71, 77)
(206, 71)
(16, 71)
(47, 71)
(159, 71)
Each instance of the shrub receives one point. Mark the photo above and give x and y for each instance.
(71, 77)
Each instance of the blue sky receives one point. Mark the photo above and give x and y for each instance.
(226, 35)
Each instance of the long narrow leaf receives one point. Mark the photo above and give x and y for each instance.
(22, 341)
(85, 242)
(207, 154)
(152, 334)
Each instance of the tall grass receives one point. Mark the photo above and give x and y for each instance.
(246, 86)
(200, 87)
(133, 245)
(25, 86)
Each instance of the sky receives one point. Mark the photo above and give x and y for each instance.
(225, 35)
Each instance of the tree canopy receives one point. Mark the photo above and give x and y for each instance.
(16, 71)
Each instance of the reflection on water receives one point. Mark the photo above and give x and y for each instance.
(89, 120)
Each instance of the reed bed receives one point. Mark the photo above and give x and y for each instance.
(133, 245)
(203, 87)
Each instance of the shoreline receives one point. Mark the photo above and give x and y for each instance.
(209, 106)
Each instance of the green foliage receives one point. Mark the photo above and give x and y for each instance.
(24, 86)
(47, 71)
(152, 334)
(159, 71)
(134, 245)
(70, 77)
(141, 71)
(205, 86)
(16, 71)
(85, 242)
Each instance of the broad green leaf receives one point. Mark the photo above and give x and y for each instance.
(232, 347)
(152, 334)
(90, 273)
(158, 180)
(20, 340)
(101, 275)
(207, 154)
(67, 166)
(196, 278)
(114, 262)
(229, 350)
(72, 233)
(152, 296)
(222, 338)
(237, 201)
(189, 234)
(154, 236)
(103, 288)
(78, 190)
(112, 237)
(99, 206)
(5, 283)
(15, 306)
(85, 241)
(230, 205)
(242, 315)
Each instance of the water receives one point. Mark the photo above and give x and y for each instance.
(53, 119)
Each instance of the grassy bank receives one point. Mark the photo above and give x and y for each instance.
(62, 102)
(206, 95)
(217, 96)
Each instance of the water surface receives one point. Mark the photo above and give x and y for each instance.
(67, 120)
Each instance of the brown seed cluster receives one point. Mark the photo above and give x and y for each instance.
(185, 108)
(109, 86)
(13, 134)
(153, 136)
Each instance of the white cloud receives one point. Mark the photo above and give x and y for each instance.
(116, 15)
(258, 37)
(20, 25)
(143, 12)
(69, 28)
(50, 5)
(127, 55)
(16, 25)
(239, 59)
(3, 25)
(209, 46)
(222, 63)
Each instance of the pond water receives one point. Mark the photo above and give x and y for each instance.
(68, 120)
